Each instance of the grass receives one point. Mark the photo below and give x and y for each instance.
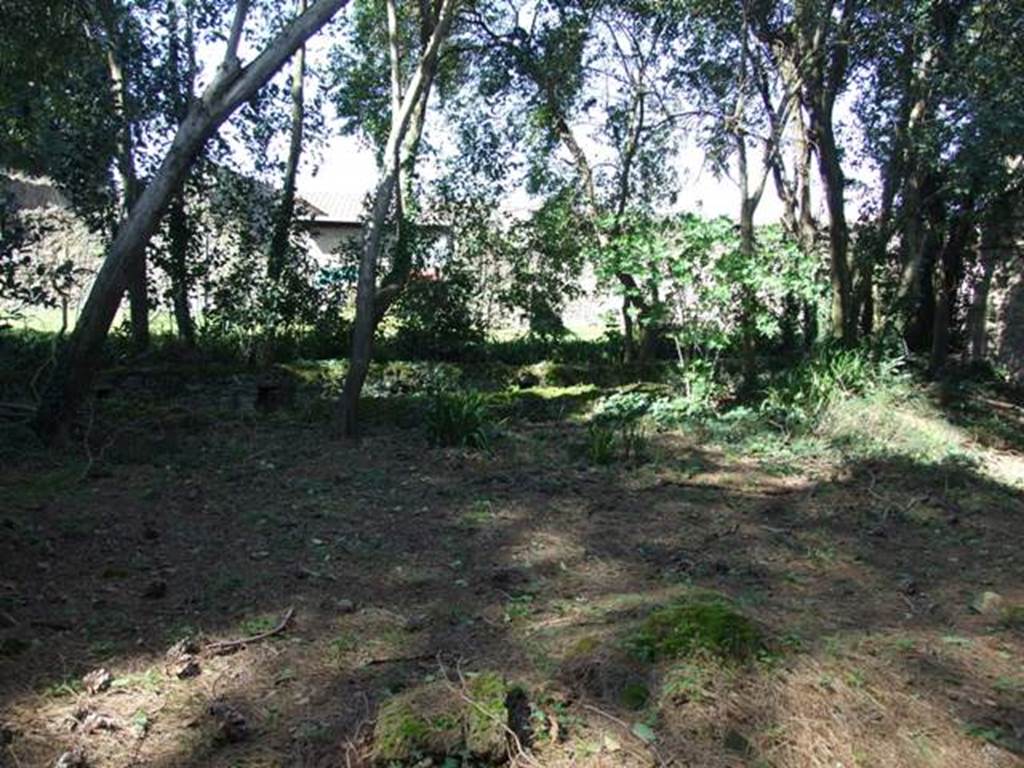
(339, 648)
(150, 680)
(689, 680)
(480, 513)
(1012, 617)
(257, 625)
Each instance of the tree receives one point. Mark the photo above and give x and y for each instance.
(557, 54)
(281, 238)
(812, 42)
(232, 85)
(744, 103)
(119, 40)
(408, 105)
(942, 127)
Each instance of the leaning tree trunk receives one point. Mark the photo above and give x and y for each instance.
(364, 325)
(138, 290)
(232, 85)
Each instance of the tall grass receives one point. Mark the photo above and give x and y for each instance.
(459, 419)
(797, 398)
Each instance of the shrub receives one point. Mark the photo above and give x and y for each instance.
(436, 319)
(633, 441)
(621, 407)
(702, 389)
(607, 442)
(459, 419)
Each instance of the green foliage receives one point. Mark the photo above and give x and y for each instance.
(545, 260)
(798, 397)
(725, 293)
(700, 623)
(617, 431)
(703, 390)
(622, 407)
(459, 419)
(601, 444)
(436, 318)
(35, 270)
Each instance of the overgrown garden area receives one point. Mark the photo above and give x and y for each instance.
(535, 462)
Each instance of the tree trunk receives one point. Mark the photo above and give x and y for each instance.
(844, 326)
(138, 293)
(281, 237)
(232, 85)
(364, 325)
(629, 345)
(810, 311)
(924, 215)
(401, 267)
(951, 266)
(179, 238)
(747, 299)
(993, 232)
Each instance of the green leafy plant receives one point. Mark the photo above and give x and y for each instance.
(600, 446)
(622, 407)
(632, 440)
(459, 419)
(798, 397)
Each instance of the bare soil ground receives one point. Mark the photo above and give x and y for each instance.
(402, 563)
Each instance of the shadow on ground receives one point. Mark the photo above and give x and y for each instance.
(403, 562)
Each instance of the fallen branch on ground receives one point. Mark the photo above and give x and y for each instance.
(226, 646)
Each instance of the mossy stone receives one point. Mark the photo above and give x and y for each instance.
(699, 623)
(435, 720)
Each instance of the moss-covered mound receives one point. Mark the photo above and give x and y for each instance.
(704, 623)
(440, 719)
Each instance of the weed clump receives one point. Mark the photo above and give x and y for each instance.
(702, 624)
(1012, 617)
(608, 443)
(459, 419)
(440, 720)
(798, 398)
(600, 446)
